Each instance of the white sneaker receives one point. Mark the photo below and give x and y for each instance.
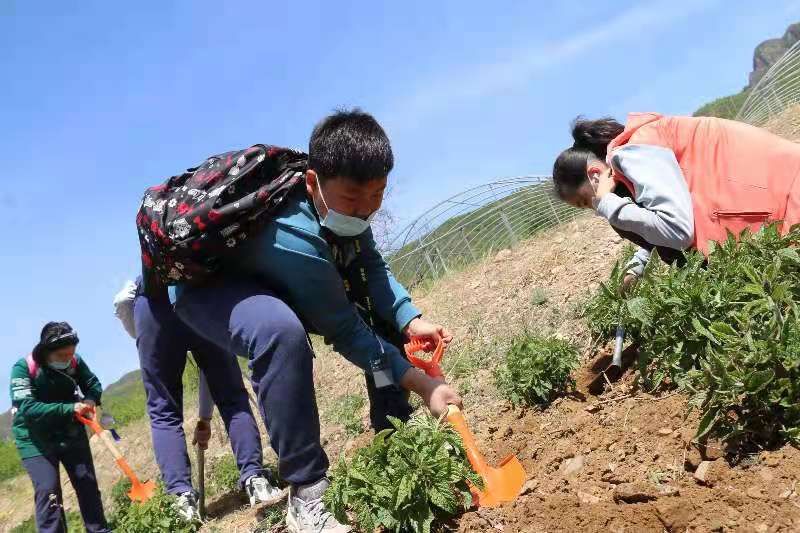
(308, 514)
(187, 507)
(262, 492)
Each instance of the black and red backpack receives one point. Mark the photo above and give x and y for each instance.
(188, 224)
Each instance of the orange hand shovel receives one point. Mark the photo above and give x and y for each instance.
(500, 484)
(140, 492)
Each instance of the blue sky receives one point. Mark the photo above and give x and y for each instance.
(100, 99)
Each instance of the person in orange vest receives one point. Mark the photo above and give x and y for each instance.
(674, 183)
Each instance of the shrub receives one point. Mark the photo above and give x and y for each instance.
(406, 480)
(157, 515)
(536, 369)
(726, 333)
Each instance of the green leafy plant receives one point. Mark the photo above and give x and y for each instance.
(605, 310)
(120, 502)
(223, 475)
(156, 515)
(405, 480)
(727, 333)
(346, 411)
(271, 518)
(536, 369)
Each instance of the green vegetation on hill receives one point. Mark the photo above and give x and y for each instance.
(470, 237)
(725, 107)
(10, 464)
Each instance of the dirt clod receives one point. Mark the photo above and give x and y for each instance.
(572, 466)
(529, 486)
(639, 492)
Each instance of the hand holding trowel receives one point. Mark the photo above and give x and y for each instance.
(500, 484)
(140, 492)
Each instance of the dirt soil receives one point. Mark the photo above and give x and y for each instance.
(620, 462)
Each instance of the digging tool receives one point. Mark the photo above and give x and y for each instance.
(615, 368)
(430, 367)
(201, 480)
(500, 484)
(140, 492)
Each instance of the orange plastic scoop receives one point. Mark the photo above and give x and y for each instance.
(140, 492)
(430, 367)
(500, 484)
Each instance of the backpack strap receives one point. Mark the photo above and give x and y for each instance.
(33, 366)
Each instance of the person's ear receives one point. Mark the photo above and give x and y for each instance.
(312, 182)
(593, 172)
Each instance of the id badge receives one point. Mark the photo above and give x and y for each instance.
(381, 371)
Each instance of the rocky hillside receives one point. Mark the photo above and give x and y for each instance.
(768, 52)
(765, 55)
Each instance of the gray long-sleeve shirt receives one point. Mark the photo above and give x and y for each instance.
(661, 209)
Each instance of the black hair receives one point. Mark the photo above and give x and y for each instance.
(591, 142)
(350, 144)
(54, 335)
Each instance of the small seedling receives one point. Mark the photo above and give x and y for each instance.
(271, 518)
(346, 412)
(538, 296)
(223, 476)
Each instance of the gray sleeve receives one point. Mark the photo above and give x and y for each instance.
(666, 217)
(123, 307)
(638, 262)
(205, 404)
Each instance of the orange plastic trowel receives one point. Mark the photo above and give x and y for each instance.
(501, 484)
(140, 492)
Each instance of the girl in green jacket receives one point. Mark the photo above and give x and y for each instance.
(47, 389)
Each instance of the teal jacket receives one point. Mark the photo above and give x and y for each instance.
(292, 258)
(43, 407)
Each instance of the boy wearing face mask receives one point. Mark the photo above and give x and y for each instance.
(315, 267)
(46, 390)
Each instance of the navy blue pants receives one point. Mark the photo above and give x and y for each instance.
(163, 340)
(44, 473)
(250, 321)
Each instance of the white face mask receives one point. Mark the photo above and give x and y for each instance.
(59, 365)
(343, 225)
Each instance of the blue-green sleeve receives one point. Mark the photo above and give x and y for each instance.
(391, 300)
(314, 289)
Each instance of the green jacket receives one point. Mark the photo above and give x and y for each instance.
(43, 407)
